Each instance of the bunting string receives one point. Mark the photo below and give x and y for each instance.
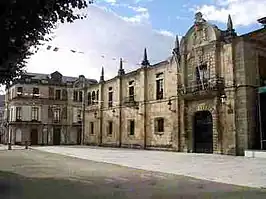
(56, 49)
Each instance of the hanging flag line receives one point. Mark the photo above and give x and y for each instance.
(59, 49)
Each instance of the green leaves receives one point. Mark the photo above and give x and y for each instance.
(24, 24)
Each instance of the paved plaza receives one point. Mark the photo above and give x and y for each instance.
(241, 171)
(31, 174)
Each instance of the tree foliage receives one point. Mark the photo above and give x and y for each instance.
(24, 23)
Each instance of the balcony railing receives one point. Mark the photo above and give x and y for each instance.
(206, 85)
(130, 100)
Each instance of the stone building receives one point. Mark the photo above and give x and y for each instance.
(204, 98)
(208, 97)
(43, 109)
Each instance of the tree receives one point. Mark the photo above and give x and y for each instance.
(24, 24)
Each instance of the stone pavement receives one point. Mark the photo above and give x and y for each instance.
(241, 171)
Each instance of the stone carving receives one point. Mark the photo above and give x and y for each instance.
(199, 18)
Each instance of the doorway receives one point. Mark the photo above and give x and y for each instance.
(57, 136)
(34, 137)
(203, 132)
(79, 132)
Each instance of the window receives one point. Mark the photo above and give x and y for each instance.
(36, 92)
(202, 76)
(131, 92)
(35, 113)
(110, 97)
(110, 128)
(56, 115)
(131, 127)
(80, 96)
(19, 91)
(58, 94)
(51, 93)
(159, 86)
(64, 94)
(75, 96)
(18, 114)
(97, 96)
(159, 89)
(89, 98)
(92, 128)
(93, 97)
(159, 125)
(79, 116)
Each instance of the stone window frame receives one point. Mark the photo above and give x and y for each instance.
(129, 123)
(92, 128)
(159, 80)
(159, 129)
(110, 128)
(19, 113)
(58, 95)
(110, 97)
(34, 113)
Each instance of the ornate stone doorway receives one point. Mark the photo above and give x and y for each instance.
(203, 132)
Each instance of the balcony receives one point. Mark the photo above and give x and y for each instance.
(210, 87)
(130, 101)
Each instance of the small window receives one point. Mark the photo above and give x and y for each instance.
(92, 128)
(110, 128)
(89, 99)
(36, 92)
(19, 91)
(18, 114)
(35, 113)
(80, 96)
(57, 115)
(97, 96)
(159, 89)
(110, 88)
(93, 97)
(131, 127)
(75, 96)
(131, 92)
(159, 125)
(110, 99)
(58, 94)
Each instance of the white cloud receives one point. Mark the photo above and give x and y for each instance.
(102, 33)
(243, 12)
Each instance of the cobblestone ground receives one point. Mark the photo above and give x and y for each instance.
(29, 174)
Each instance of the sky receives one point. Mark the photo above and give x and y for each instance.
(117, 29)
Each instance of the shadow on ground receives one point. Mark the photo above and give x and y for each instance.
(15, 186)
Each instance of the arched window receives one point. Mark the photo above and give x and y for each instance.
(89, 98)
(93, 97)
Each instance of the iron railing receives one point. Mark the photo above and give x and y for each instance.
(210, 84)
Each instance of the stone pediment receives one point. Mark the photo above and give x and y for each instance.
(200, 34)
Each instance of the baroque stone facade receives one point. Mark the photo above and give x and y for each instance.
(204, 98)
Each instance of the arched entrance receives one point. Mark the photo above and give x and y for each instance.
(203, 132)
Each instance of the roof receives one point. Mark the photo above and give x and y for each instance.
(65, 79)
